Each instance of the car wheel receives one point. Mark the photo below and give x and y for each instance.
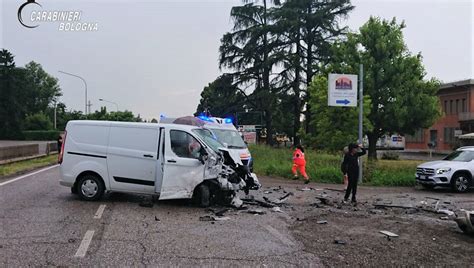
(460, 182)
(202, 195)
(90, 187)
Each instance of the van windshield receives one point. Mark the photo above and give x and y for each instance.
(230, 137)
(460, 156)
(208, 138)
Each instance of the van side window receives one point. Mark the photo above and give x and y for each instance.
(184, 145)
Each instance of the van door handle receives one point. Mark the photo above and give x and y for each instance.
(171, 161)
(148, 155)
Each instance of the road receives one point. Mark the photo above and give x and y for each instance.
(44, 224)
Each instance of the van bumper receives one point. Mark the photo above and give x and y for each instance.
(67, 184)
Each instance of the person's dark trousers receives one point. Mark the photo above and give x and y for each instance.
(352, 186)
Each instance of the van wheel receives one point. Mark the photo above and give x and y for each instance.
(460, 182)
(202, 195)
(90, 187)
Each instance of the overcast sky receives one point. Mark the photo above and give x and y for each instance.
(154, 57)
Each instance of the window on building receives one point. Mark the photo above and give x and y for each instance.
(445, 107)
(458, 107)
(418, 136)
(464, 107)
(451, 107)
(449, 136)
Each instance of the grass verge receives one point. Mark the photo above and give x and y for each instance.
(325, 167)
(27, 165)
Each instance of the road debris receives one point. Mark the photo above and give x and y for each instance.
(340, 242)
(276, 209)
(334, 190)
(256, 211)
(212, 218)
(446, 211)
(304, 189)
(466, 222)
(221, 212)
(322, 222)
(389, 234)
(156, 218)
(236, 202)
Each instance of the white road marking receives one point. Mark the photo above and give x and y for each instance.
(99, 212)
(278, 235)
(82, 250)
(27, 175)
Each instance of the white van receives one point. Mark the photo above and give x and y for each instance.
(169, 160)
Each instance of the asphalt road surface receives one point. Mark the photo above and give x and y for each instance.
(42, 223)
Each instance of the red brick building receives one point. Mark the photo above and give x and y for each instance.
(457, 105)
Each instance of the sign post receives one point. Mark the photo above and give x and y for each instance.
(343, 91)
(361, 113)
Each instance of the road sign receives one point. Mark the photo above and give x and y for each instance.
(342, 90)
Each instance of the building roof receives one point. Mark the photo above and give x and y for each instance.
(467, 82)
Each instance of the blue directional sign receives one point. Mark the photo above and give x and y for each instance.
(345, 101)
(342, 90)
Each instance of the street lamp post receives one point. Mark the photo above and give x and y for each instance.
(116, 105)
(85, 84)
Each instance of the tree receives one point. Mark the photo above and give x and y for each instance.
(402, 101)
(11, 84)
(248, 50)
(306, 30)
(221, 98)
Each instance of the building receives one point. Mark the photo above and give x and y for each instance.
(457, 105)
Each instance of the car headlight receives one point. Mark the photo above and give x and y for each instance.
(442, 170)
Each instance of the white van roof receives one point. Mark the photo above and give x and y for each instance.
(129, 124)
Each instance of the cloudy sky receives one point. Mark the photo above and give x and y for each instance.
(154, 57)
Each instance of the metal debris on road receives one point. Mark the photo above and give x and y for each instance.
(276, 209)
(322, 222)
(389, 234)
(256, 211)
(445, 211)
(466, 222)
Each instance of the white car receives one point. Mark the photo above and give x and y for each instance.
(168, 160)
(455, 170)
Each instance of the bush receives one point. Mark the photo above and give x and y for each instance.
(40, 135)
(39, 121)
(390, 156)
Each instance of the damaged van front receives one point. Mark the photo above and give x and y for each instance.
(225, 174)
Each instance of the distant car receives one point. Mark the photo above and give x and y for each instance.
(455, 170)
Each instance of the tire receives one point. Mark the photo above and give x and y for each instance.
(203, 195)
(90, 187)
(460, 182)
(73, 190)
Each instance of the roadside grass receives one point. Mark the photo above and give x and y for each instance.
(27, 165)
(325, 167)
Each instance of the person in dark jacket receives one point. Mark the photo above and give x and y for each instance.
(350, 169)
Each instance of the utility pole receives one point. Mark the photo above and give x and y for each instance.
(55, 107)
(89, 107)
(85, 87)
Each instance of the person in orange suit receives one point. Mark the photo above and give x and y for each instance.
(299, 164)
